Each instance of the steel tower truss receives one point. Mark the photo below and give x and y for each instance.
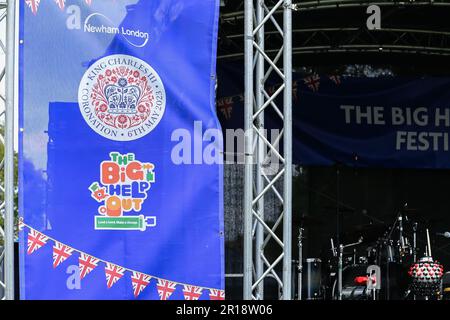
(260, 182)
(7, 75)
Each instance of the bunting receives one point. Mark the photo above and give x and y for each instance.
(34, 4)
(335, 78)
(313, 82)
(61, 3)
(225, 104)
(87, 263)
(139, 281)
(113, 272)
(60, 253)
(165, 288)
(215, 294)
(191, 292)
(36, 240)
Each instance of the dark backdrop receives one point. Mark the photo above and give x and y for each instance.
(369, 201)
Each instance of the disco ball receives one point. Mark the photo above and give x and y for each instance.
(426, 277)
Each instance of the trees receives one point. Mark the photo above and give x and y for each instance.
(2, 184)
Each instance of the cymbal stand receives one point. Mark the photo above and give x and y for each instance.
(415, 242)
(401, 239)
(340, 264)
(300, 263)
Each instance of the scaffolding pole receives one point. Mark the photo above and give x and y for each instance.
(267, 171)
(259, 263)
(248, 175)
(9, 151)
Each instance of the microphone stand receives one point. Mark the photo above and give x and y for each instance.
(415, 242)
(398, 219)
(414, 247)
(338, 213)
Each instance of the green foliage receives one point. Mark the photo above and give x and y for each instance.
(2, 182)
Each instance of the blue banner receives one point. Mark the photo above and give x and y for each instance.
(108, 92)
(367, 122)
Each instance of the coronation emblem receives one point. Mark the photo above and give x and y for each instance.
(121, 97)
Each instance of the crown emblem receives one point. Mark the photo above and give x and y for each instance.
(122, 98)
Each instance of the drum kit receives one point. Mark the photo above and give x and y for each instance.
(395, 265)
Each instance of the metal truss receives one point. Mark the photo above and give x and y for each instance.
(3, 13)
(337, 35)
(361, 39)
(259, 182)
(352, 39)
(238, 14)
(7, 76)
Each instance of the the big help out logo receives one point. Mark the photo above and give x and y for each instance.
(122, 98)
(123, 188)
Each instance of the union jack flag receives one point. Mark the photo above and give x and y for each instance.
(313, 82)
(35, 241)
(33, 4)
(61, 3)
(60, 253)
(165, 288)
(192, 292)
(215, 294)
(139, 281)
(87, 264)
(336, 79)
(113, 274)
(226, 106)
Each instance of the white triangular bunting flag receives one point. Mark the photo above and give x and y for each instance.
(313, 82)
(165, 288)
(139, 282)
(36, 240)
(215, 294)
(87, 264)
(61, 3)
(33, 5)
(335, 78)
(60, 253)
(113, 274)
(192, 292)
